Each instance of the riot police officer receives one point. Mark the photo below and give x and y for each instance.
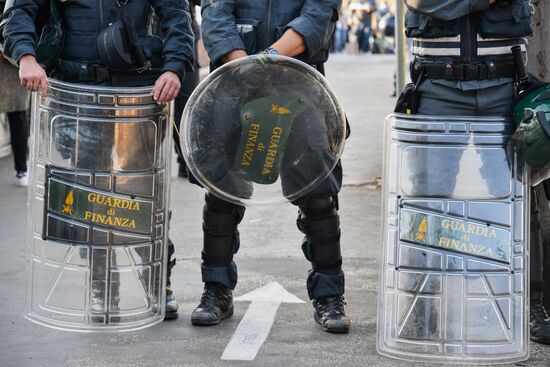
(463, 65)
(302, 29)
(161, 58)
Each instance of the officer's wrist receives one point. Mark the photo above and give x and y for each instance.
(27, 59)
(233, 55)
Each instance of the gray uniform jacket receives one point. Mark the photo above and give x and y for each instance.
(447, 9)
(253, 25)
(83, 20)
(468, 31)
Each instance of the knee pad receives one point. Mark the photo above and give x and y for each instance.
(319, 221)
(221, 238)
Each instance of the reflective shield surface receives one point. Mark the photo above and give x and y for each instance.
(453, 283)
(263, 129)
(98, 208)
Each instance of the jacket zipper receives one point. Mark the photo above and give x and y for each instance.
(268, 24)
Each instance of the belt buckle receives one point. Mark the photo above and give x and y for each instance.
(84, 73)
(100, 73)
(471, 72)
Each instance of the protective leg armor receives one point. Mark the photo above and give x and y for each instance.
(221, 240)
(319, 221)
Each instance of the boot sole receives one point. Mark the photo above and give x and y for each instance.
(171, 315)
(545, 341)
(343, 329)
(223, 316)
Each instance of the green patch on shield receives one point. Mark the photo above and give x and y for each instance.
(267, 123)
(98, 208)
(450, 234)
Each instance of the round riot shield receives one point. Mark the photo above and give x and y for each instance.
(263, 129)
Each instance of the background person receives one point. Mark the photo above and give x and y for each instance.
(14, 101)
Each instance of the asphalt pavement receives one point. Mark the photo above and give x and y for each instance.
(270, 252)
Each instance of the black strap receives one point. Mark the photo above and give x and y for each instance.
(219, 224)
(137, 52)
(463, 71)
(76, 72)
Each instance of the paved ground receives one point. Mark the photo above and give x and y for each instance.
(274, 255)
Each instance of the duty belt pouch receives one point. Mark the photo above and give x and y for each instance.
(266, 126)
(118, 45)
(407, 102)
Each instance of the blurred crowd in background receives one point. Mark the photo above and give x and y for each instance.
(365, 26)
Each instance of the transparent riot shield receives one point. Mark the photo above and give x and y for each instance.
(262, 129)
(98, 208)
(453, 281)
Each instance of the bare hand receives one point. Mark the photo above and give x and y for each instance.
(32, 75)
(166, 87)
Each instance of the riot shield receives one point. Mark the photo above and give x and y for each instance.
(453, 281)
(98, 212)
(262, 129)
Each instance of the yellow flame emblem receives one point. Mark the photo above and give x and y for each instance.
(279, 110)
(422, 229)
(68, 206)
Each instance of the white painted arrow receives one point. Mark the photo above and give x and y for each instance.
(257, 321)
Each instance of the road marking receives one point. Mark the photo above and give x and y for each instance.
(257, 321)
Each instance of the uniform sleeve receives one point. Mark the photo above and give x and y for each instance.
(447, 9)
(175, 23)
(219, 29)
(19, 32)
(315, 23)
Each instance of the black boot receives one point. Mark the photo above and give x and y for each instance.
(171, 306)
(330, 313)
(182, 171)
(216, 305)
(539, 323)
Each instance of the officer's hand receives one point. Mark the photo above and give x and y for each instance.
(32, 75)
(166, 87)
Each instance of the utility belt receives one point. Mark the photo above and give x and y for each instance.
(77, 72)
(460, 71)
(422, 69)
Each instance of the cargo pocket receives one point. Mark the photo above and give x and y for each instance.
(423, 26)
(509, 21)
(247, 29)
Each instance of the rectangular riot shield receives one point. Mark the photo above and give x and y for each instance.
(453, 284)
(98, 208)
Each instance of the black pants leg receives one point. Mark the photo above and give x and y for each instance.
(19, 135)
